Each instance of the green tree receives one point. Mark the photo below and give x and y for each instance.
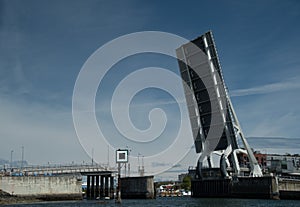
(186, 183)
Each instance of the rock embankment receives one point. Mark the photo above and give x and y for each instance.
(6, 198)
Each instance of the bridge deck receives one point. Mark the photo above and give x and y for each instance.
(66, 169)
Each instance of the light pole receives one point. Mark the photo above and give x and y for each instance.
(119, 184)
(22, 158)
(129, 150)
(107, 156)
(139, 166)
(92, 156)
(143, 167)
(11, 159)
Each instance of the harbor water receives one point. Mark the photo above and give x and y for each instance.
(171, 201)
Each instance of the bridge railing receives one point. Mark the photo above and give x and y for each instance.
(58, 169)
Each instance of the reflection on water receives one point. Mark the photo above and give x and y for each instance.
(173, 201)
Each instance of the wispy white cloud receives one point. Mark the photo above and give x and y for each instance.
(45, 131)
(271, 110)
(289, 84)
(279, 145)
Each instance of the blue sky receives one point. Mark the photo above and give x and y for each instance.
(43, 45)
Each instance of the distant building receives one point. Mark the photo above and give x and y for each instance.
(274, 163)
(261, 159)
(283, 164)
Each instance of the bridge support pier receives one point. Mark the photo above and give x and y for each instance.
(88, 187)
(106, 186)
(101, 186)
(97, 187)
(93, 187)
(111, 187)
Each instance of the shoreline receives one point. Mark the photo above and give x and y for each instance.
(6, 199)
(17, 200)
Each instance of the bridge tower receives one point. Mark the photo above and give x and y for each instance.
(215, 126)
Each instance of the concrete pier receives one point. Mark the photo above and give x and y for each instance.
(59, 182)
(97, 192)
(289, 189)
(66, 187)
(88, 185)
(112, 189)
(100, 186)
(93, 187)
(106, 186)
(137, 187)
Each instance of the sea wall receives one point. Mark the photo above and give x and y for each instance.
(43, 187)
(289, 189)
